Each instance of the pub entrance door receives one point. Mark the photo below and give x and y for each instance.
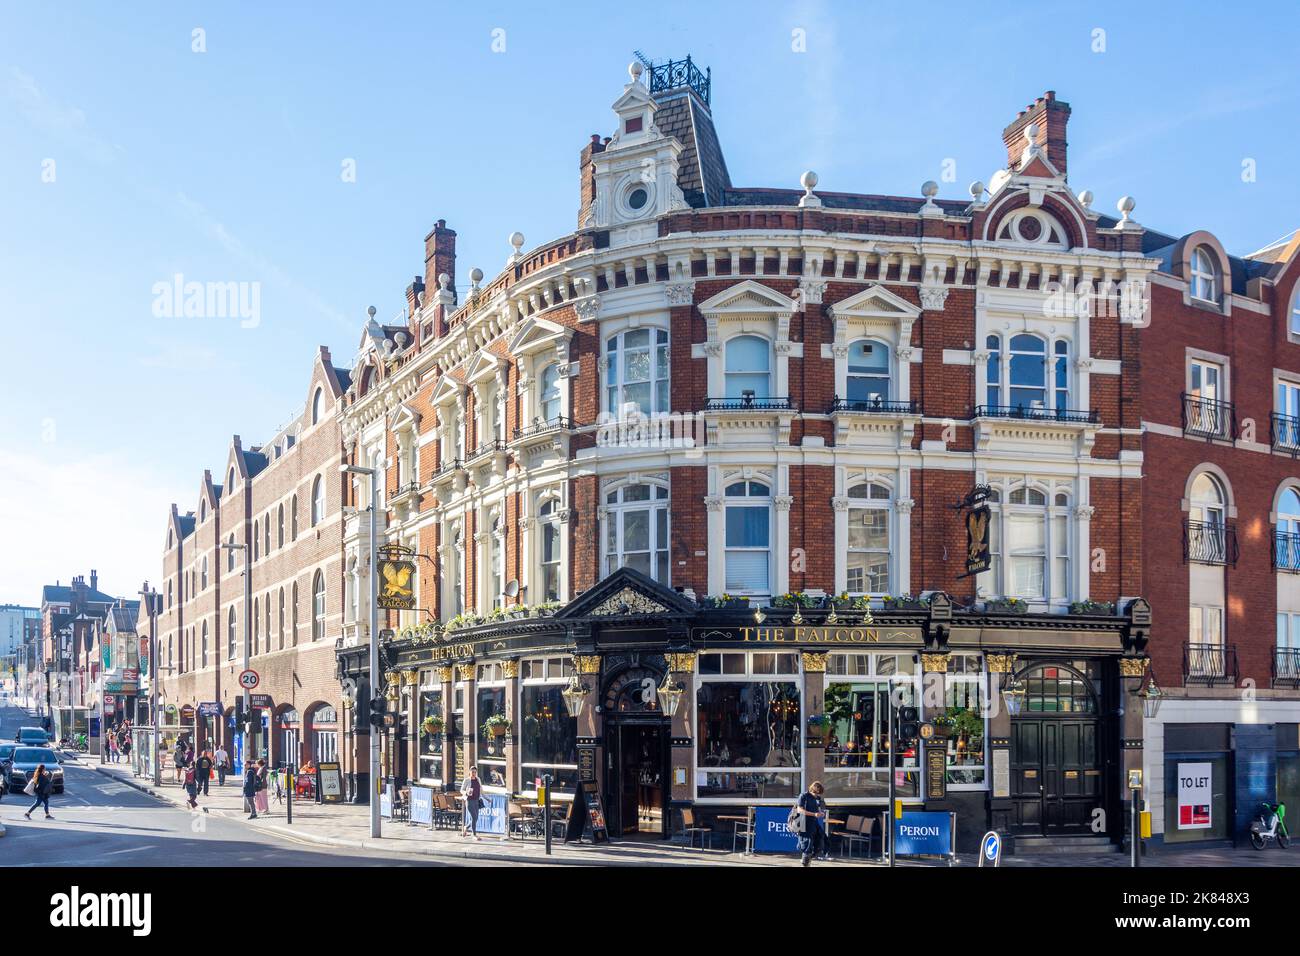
(1058, 760)
(638, 780)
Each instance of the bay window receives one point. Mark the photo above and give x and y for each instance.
(636, 530)
(1029, 545)
(548, 735)
(636, 371)
(749, 727)
(859, 688)
(748, 543)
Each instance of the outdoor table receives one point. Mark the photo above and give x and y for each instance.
(748, 820)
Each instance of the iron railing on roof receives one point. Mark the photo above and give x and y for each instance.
(676, 74)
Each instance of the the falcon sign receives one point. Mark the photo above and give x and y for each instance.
(396, 592)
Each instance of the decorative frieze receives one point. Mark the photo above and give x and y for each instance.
(1133, 666)
(934, 663)
(681, 663)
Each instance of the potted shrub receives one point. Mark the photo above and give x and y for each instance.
(1093, 608)
(902, 602)
(728, 601)
(819, 725)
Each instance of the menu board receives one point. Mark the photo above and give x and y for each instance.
(1001, 772)
(329, 782)
(936, 773)
(585, 812)
(594, 817)
(586, 764)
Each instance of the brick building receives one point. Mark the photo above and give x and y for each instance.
(692, 470)
(1220, 398)
(280, 502)
(70, 617)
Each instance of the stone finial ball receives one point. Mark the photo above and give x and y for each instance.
(1085, 198)
(976, 190)
(634, 70)
(1126, 204)
(517, 240)
(929, 189)
(808, 180)
(476, 275)
(371, 311)
(444, 280)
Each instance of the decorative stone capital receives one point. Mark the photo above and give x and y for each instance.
(783, 502)
(934, 663)
(1133, 666)
(602, 512)
(1083, 364)
(464, 672)
(981, 357)
(1000, 663)
(587, 308)
(713, 349)
(509, 669)
(410, 678)
(680, 293)
(904, 505)
(814, 663)
(482, 536)
(783, 346)
(840, 503)
(586, 663)
(1084, 512)
(681, 663)
(527, 523)
(840, 351)
(445, 674)
(713, 502)
(811, 291)
(932, 299)
(904, 353)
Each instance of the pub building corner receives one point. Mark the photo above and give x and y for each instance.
(683, 707)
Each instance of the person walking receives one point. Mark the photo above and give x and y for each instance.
(223, 765)
(112, 747)
(40, 785)
(472, 791)
(191, 787)
(203, 771)
(811, 810)
(178, 759)
(250, 790)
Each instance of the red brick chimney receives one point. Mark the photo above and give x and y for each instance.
(587, 176)
(1051, 115)
(413, 293)
(440, 255)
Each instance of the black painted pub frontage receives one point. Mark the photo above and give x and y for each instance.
(656, 705)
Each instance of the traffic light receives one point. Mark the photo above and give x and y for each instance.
(377, 707)
(909, 725)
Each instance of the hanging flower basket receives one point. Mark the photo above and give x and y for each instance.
(432, 725)
(498, 725)
(819, 725)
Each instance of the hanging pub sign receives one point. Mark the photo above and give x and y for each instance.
(396, 590)
(978, 519)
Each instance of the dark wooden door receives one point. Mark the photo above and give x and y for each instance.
(1057, 779)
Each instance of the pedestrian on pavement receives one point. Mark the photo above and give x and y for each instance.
(812, 809)
(203, 771)
(250, 791)
(223, 765)
(112, 748)
(472, 791)
(191, 786)
(125, 747)
(178, 759)
(41, 784)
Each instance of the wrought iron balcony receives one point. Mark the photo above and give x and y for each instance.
(1284, 432)
(1210, 664)
(1039, 413)
(1209, 419)
(676, 74)
(487, 448)
(749, 403)
(446, 469)
(540, 426)
(1286, 666)
(873, 406)
(1286, 551)
(1208, 542)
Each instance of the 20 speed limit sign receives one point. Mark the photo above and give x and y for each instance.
(248, 679)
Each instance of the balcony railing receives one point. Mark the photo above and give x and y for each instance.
(1209, 419)
(873, 406)
(1286, 666)
(1210, 664)
(485, 449)
(1208, 542)
(1038, 413)
(447, 468)
(749, 404)
(540, 426)
(1284, 432)
(1286, 551)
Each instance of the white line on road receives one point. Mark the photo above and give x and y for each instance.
(132, 849)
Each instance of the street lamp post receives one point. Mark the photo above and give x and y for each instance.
(372, 679)
(150, 596)
(245, 734)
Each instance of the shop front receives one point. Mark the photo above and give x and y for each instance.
(652, 704)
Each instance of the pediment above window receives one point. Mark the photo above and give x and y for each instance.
(748, 298)
(536, 335)
(628, 593)
(874, 310)
(448, 389)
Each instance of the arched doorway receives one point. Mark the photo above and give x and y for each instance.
(637, 741)
(288, 732)
(1059, 752)
(323, 731)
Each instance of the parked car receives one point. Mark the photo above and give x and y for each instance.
(6, 754)
(24, 762)
(32, 736)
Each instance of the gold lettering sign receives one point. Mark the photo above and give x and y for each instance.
(451, 652)
(810, 635)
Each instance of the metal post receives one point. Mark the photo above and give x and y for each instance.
(546, 810)
(893, 748)
(248, 642)
(288, 776)
(1135, 835)
(373, 571)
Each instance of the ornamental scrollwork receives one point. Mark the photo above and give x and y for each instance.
(627, 601)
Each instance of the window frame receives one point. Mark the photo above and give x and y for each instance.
(730, 501)
(659, 383)
(615, 520)
(728, 373)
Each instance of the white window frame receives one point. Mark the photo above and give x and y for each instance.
(996, 582)
(557, 671)
(1203, 282)
(614, 381)
(552, 521)
(496, 682)
(750, 501)
(886, 505)
(727, 372)
(613, 518)
(979, 678)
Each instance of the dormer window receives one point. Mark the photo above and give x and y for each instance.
(1294, 325)
(1205, 276)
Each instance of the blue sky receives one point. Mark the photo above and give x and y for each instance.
(226, 166)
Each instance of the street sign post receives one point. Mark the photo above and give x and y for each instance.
(249, 679)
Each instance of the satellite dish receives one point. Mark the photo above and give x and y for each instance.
(512, 589)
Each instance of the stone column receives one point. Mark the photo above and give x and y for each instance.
(1132, 673)
(814, 702)
(510, 670)
(469, 728)
(1000, 668)
(411, 690)
(681, 669)
(445, 675)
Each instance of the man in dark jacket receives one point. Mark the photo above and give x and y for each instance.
(203, 771)
(250, 790)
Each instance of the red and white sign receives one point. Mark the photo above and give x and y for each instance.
(109, 703)
(249, 679)
(1195, 796)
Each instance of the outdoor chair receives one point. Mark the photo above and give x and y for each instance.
(690, 829)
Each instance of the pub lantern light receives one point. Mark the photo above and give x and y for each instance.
(1151, 694)
(1013, 695)
(575, 696)
(670, 696)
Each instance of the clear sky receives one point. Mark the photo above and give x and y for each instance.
(127, 157)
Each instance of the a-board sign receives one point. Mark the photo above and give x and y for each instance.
(329, 782)
(584, 813)
(596, 819)
(586, 764)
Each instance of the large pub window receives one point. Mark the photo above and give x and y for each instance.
(548, 736)
(491, 699)
(431, 742)
(858, 690)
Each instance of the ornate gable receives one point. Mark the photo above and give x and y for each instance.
(628, 594)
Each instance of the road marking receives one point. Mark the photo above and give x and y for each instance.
(113, 789)
(133, 849)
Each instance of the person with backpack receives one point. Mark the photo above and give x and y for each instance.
(250, 790)
(192, 787)
(808, 821)
(203, 771)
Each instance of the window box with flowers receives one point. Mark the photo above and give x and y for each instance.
(724, 602)
(1093, 608)
(1007, 605)
(903, 602)
(796, 599)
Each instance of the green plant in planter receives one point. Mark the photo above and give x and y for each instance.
(963, 721)
(1010, 604)
(498, 725)
(795, 599)
(819, 725)
(1092, 607)
(901, 602)
(432, 724)
(726, 600)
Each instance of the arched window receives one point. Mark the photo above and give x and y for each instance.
(203, 510)
(230, 554)
(868, 544)
(266, 619)
(315, 407)
(496, 584)
(1205, 276)
(204, 658)
(317, 501)
(1025, 386)
(293, 614)
(1286, 543)
(230, 635)
(550, 394)
(548, 523)
(1206, 541)
(281, 620)
(1294, 322)
(203, 575)
(1029, 545)
(293, 518)
(636, 530)
(1052, 689)
(456, 597)
(256, 541)
(230, 481)
(748, 516)
(279, 527)
(169, 594)
(748, 367)
(257, 632)
(636, 371)
(266, 535)
(318, 606)
(868, 375)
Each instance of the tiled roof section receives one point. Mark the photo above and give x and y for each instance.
(702, 170)
(186, 522)
(791, 197)
(62, 594)
(1160, 246)
(125, 615)
(344, 376)
(254, 462)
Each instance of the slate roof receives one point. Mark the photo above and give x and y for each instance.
(124, 616)
(791, 197)
(1159, 245)
(702, 170)
(62, 594)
